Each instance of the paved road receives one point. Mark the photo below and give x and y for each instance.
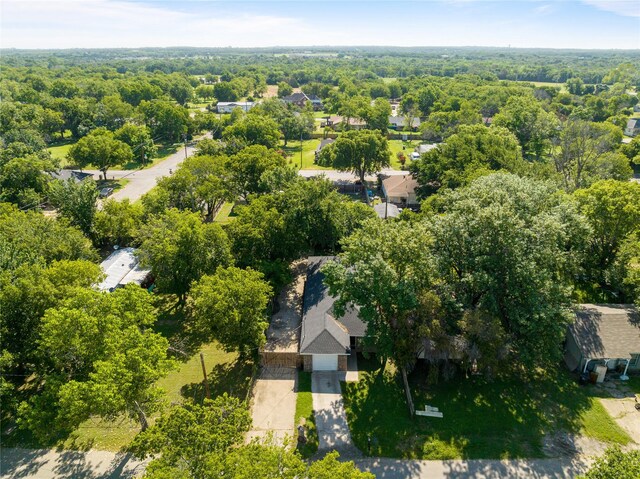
(51, 464)
(274, 404)
(141, 181)
(334, 175)
(385, 468)
(328, 407)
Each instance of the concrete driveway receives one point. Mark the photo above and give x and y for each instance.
(331, 420)
(274, 404)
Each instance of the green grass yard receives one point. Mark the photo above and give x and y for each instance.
(226, 213)
(60, 152)
(308, 154)
(504, 418)
(396, 146)
(304, 414)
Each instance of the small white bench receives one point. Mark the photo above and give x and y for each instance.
(430, 411)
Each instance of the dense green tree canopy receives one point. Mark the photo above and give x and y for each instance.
(101, 149)
(509, 247)
(179, 248)
(363, 152)
(472, 152)
(612, 208)
(253, 129)
(247, 167)
(28, 237)
(100, 359)
(230, 307)
(76, 201)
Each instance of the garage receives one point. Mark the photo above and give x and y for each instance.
(325, 362)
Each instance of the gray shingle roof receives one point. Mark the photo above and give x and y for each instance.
(321, 332)
(607, 330)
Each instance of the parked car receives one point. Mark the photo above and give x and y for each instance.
(106, 191)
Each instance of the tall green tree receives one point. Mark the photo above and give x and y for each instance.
(27, 292)
(25, 181)
(385, 268)
(101, 149)
(613, 211)
(28, 237)
(200, 184)
(117, 222)
(580, 153)
(230, 306)
(102, 359)
(179, 248)
(254, 129)
(472, 152)
(509, 248)
(185, 439)
(139, 140)
(76, 201)
(532, 125)
(167, 121)
(363, 152)
(247, 167)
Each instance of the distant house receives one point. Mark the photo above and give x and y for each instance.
(604, 334)
(301, 99)
(399, 122)
(76, 176)
(400, 190)
(422, 149)
(121, 268)
(229, 106)
(338, 122)
(636, 107)
(633, 127)
(326, 340)
(324, 142)
(386, 210)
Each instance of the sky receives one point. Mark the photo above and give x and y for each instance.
(585, 24)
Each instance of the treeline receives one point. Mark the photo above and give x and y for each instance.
(278, 63)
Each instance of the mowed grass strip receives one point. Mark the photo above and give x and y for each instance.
(304, 415)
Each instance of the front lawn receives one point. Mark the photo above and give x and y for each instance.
(304, 415)
(503, 418)
(226, 373)
(226, 213)
(396, 146)
(308, 154)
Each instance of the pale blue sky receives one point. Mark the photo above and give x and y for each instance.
(134, 23)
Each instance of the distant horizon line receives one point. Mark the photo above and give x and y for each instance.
(328, 48)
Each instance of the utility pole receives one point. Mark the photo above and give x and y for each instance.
(300, 149)
(206, 381)
(185, 147)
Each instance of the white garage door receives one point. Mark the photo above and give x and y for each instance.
(325, 362)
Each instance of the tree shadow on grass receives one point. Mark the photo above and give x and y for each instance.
(508, 417)
(231, 378)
